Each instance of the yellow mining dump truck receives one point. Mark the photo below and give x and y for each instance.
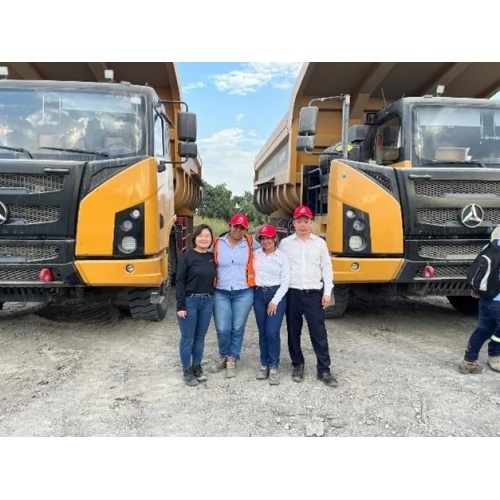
(99, 178)
(400, 163)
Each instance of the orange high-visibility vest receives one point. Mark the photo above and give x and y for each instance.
(250, 271)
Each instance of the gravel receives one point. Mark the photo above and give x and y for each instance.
(98, 373)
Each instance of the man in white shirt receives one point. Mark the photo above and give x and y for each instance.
(309, 294)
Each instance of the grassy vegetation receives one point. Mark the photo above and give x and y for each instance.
(218, 226)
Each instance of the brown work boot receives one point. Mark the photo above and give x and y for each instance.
(494, 362)
(470, 367)
(230, 367)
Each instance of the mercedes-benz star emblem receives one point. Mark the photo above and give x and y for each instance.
(4, 212)
(472, 215)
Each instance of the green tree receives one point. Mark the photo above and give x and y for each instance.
(217, 202)
(245, 205)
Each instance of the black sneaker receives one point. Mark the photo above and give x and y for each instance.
(298, 373)
(198, 373)
(189, 376)
(328, 379)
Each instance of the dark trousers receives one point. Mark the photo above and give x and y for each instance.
(302, 303)
(488, 329)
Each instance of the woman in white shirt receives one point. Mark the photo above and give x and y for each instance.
(272, 278)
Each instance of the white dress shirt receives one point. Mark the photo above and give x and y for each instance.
(310, 263)
(272, 270)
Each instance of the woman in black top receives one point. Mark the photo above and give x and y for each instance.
(194, 288)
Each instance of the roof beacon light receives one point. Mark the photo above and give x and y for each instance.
(4, 72)
(109, 75)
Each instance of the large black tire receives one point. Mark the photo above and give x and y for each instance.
(142, 307)
(464, 304)
(341, 294)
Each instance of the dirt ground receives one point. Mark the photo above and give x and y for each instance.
(97, 373)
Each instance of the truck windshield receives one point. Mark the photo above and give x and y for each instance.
(457, 134)
(43, 122)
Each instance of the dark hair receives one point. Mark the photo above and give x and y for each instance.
(197, 231)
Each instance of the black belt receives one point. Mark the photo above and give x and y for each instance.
(266, 288)
(307, 290)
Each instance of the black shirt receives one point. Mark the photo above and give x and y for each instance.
(195, 274)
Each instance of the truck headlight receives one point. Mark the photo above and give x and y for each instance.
(359, 225)
(126, 225)
(129, 231)
(356, 243)
(128, 244)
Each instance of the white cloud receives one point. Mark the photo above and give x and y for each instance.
(228, 157)
(253, 76)
(240, 117)
(193, 86)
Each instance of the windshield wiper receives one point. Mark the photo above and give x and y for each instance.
(18, 150)
(453, 162)
(81, 151)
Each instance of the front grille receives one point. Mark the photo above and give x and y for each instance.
(32, 183)
(452, 272)
(439, 189)
(440, 216)
(28, 253)
(14, 274)
(447, 287)
(34, 214)
(449, 252)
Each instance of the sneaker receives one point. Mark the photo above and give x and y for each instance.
(494, 362)
(328, 379)
(298, 373)
(230, 367)
(263, 373)
(219, 365)
(274, 377)
(189, 376)
(198, 373)
(470, 367)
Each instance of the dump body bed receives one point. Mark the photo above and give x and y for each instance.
(371, 85)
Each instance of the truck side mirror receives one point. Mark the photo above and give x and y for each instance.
(188, 150)
(186, 130)
(308, 120)
(305, 143)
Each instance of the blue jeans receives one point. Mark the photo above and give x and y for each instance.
(194, 326)
(489, 326)
(269, 327)
(231, 310)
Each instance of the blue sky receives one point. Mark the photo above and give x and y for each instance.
(238, 106)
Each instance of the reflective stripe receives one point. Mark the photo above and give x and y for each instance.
(495, 339)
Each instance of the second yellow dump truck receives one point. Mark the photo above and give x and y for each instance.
(400, 163)
(99, 179)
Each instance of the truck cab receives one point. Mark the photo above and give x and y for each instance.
(93, 190)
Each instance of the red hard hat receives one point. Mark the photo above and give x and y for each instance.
(267, 230)
(302, 211)
(239, 219)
